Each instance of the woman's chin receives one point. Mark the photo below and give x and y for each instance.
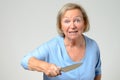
(73, 37)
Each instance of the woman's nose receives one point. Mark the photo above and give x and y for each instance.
(72, 25)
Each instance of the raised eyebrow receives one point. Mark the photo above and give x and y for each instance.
(73, 17)
(78, 17)
(65, 17)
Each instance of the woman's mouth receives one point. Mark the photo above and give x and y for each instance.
(73, 32)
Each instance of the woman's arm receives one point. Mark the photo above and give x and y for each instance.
(98, 77)
(50, 70)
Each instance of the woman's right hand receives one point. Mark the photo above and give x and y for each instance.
(52, 70)
(48, 69)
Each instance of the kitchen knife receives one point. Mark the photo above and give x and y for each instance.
(70, 67)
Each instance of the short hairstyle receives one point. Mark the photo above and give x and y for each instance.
(71, 6)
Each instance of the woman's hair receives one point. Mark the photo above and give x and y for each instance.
(71, 6)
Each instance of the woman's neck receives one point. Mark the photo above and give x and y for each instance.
(74, 42)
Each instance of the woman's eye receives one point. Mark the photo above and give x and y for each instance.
(66, 21)
(77, 20)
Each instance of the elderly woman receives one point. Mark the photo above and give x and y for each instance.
(70, 47)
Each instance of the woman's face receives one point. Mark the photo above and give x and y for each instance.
(72, 24)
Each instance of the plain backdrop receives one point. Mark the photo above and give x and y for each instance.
(25, 24)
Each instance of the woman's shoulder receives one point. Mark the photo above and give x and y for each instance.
(90, 40)
(51, 43)
(54, 41)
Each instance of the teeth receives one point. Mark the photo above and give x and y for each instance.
(73, 31)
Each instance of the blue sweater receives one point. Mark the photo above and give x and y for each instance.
(54, 51)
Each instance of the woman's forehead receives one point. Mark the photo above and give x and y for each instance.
(72, 13)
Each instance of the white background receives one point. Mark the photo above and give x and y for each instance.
(25, 24)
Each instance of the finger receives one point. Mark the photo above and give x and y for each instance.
(58, 70)
(54, 70)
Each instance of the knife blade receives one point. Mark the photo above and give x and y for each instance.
(70, 67)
